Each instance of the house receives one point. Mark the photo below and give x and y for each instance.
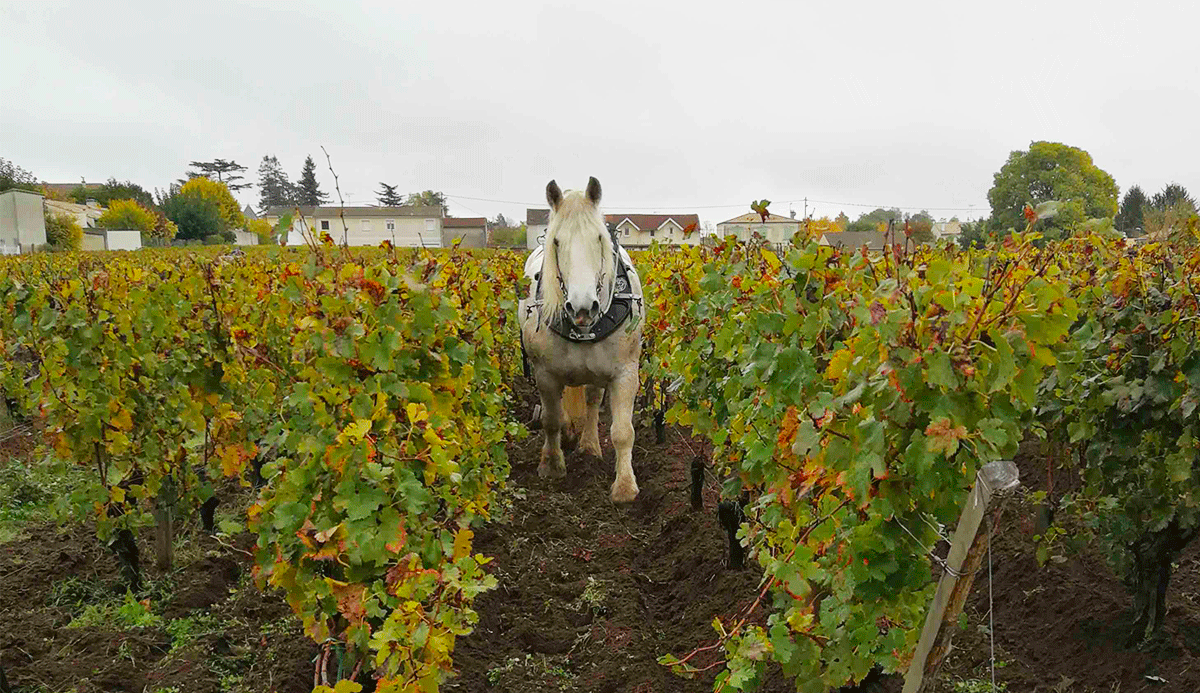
(403, 226)
(112, 239)
(775, 229)
(536, 223)
(84, 215)
(22, 222)
(472, 231)
(634, 231)
(947, 229)
(640, 230)
(245, 236)
(853, 240)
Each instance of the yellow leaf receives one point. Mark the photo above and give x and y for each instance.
(772, 260)
(462, 543)
(838, 364)
(118, 494)
(123, 421)
(417, 412)
(356, 430)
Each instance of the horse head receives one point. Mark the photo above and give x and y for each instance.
(579, 269)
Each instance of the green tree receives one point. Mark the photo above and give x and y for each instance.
(387, 195)
(308, 192)
(227, 172)
(1130, 219)
(1173, 195)
(976, 234)
(870, 221)
(429, 198)
(13, 176)
(842, 221)
(63, 232)
(202, 208)
(127, 214)
(274, 187)
(1051, 171)
(113, 190)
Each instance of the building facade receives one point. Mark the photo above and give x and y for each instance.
(22, 222)
(634, 231)
(472, 231)
(403, 226)
(775, 229)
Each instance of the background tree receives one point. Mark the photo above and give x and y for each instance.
(164, 228)
(127, 214)
(1130, 219)
(506, 233)
(387, 195)
(1051, 171)
(274, 187)
(112, 190)
(976, 234)
(842, 222)
(202, 208)
(13, 176)
(308, 192)
(227, 172)
(1171, 195)
(870, 221)
(63, 232)
(429, 198)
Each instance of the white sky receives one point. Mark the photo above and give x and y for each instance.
(673, 106)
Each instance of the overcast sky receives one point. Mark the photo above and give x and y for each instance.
(673, 106)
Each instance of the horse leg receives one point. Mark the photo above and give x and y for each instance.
(622, 392)
(552, 464)
(590, 438)
(574, 412)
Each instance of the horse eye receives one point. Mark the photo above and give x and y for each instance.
(555, 242)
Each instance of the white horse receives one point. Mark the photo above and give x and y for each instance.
(581, 328)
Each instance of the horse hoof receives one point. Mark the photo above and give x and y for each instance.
(551, 471)
(592, 448)
(624, 493)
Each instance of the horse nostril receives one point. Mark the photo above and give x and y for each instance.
(595, 306)
(567, 305)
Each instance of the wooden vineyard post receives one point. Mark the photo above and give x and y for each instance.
(966, 554)
(164, 516)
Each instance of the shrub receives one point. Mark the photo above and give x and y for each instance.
(63, 232)
(127, 214)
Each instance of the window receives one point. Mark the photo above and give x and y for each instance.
(390, 224)
(366, 225)
(324, 224)
(627, 232)
(652, 233)
(431, 224)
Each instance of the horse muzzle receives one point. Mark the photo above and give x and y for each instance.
(583, 317)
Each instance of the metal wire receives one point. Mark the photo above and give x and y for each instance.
(991, 607)
(936, 558)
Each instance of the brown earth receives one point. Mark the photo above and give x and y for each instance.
(590, 595)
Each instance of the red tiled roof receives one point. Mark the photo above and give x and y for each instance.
(645, 222)
(463, 222)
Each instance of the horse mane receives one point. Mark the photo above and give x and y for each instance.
(569, 219)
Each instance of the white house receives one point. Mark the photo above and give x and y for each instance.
(775, 229)
(633, 231)
(22, 222)
(84, 215)
(947, 229)
(403, 226)
(536, 223)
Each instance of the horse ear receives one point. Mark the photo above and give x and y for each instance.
(553, 195)
(593, 191)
